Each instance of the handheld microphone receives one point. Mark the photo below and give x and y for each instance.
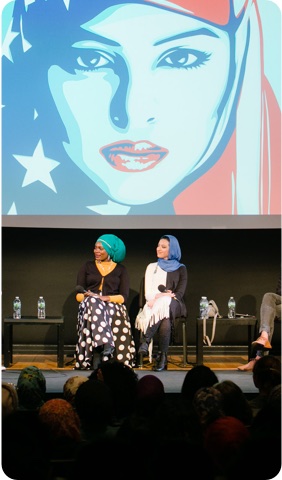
(162, 289)
(80, 289)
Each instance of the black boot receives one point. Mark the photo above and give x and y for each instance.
(144, 349)
(161, 362)
(146, 339)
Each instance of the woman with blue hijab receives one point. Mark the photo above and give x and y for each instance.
(165, 286)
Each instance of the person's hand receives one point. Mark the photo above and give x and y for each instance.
(168, 293)
(105, 298)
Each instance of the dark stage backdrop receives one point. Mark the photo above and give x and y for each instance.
(220, 263)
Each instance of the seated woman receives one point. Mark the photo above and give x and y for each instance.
(165, 286)
(103, 321)
(270, 310)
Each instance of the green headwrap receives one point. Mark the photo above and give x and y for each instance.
(114, 246)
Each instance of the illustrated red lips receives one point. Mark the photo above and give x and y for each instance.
(133, 156)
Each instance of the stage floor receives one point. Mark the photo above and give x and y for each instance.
(225, 367)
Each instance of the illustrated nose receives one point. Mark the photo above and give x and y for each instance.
(133, 104)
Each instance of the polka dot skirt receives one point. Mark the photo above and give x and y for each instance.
(103, 324)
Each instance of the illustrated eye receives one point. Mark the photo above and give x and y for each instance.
(93, 60)
(183, 58)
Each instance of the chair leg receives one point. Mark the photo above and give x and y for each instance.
(184, 341)
(140, 360)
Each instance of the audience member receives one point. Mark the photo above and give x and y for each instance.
(136, 427)
(270, 310)
(103, 321)
(162, 305)
(122, 381)
(31, 388)
(265, 437)
(70, 387)
(198, 377)
(25, 447)
(234, 402)
(63, 426)
(224, 440)
(266, 375)
(10, 401)
(95, 407)
(207, 403)
(150, 394)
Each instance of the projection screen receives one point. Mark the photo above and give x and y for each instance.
(141, 114)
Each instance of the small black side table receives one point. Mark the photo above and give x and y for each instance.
(10, 322)
(250, 322)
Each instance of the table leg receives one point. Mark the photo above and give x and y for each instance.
(8, 344)
(60, 352)
(199, 342)
(184, 339)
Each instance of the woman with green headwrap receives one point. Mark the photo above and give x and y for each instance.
(103, 321)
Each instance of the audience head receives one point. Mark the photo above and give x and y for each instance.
(267, 373)
(94, 405)
(71, 386)
(234, 401)
(150, 393)
(122, 382)
(207, 404)
(31, 388)
(60, 418)
(198, 377)
(224, 440)
(10, 400)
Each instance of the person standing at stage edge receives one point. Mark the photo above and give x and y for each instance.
(103, 320)
(165, 286)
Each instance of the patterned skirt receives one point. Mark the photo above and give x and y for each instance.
(103, 324)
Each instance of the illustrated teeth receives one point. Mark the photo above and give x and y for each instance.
(142, 146)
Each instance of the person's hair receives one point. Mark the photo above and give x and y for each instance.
(94, 405)
(10, 399)
(122, 381)
(267, 372)
(234, 401)
(199, 376)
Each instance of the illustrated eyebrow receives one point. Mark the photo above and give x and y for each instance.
(200, 31)
(97, 38)
(108, 41)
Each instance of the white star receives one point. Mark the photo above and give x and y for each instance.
(9, 37)
(26, 45)
(38, 167)
(13, 209)
(67, 4)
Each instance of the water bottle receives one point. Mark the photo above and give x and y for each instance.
(41, 308)
(204, 303)
(231, 308)
(17, 308)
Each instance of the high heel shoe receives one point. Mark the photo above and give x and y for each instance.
(161, 362)
(263, 342)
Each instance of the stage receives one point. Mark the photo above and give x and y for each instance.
(224, 367)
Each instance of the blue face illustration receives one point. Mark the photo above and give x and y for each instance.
(142, 98)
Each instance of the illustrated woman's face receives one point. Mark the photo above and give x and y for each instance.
(140, 105)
